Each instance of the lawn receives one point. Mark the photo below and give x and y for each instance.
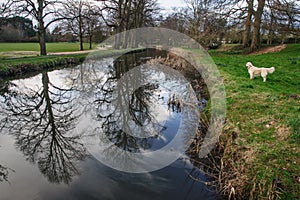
(51, 47)
(266, 118)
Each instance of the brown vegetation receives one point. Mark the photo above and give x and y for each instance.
(277, 48)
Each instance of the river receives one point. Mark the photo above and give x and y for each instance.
(53, 125)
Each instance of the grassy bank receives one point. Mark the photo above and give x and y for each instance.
(21, 65)
(260, 144)
(19, 58)
(18, 66)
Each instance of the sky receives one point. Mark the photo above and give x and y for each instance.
(168, 4)
(165, 3)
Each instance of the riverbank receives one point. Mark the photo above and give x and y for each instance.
(259, 149)
(17, 66)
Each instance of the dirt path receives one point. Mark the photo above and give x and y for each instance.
(78, 52)
(270, 49)
(18, 54)
(72, 52)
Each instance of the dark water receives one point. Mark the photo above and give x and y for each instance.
(48, 121)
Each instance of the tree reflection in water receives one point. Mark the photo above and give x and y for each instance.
(3, 173)
(43, 121)
(106, 98)
(109, 108)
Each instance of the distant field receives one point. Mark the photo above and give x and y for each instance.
(51, 47)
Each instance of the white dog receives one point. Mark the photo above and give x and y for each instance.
(255, 71)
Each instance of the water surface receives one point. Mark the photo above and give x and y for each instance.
(49, 119)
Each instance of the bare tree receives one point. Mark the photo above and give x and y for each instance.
(114, 15)
(122, 15)
(204, 20)
(92, 21)
(269, 24)
(196, 15)
(145, 12)
(73, 12)
(284, 19)
(175, 20)
(255, 44)
(277, 17)
(5, 8)
(43, 11)
(82, 18)
(248, 23)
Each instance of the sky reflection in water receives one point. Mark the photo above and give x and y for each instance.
(43, 119)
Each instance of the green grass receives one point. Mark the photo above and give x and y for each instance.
(266, 116)
(51, 47)
(17, 66)
(5, 63)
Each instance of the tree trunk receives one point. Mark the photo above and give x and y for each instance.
(127, 23)
(91, 37)
(119, 28)
(81, 41)
(46, 82)
(42, 41)
(41, 28)
(271, 29)
(246, 38)
(257, 22)
(80, 33)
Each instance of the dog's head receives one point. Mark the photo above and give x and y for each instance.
(248, 65)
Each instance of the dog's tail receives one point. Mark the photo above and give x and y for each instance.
(271, 70)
